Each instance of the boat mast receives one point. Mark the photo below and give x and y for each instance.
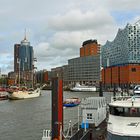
(19, 73)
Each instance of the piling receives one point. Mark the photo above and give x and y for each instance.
(114, 92)
(57, 108)
(100, 89)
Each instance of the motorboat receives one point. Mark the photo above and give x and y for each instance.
(24, 94)
(71, 102)
(136, 90)
(84, 88)
(124, 118)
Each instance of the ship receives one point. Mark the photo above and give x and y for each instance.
(83, 88)
(124, 118)
(136, 90)
(25, 94)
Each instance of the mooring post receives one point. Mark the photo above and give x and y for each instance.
(114, 92)
(57, 108)
(100, 89)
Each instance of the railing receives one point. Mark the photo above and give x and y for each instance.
(77, 135)
(46, 135)
(87, 135)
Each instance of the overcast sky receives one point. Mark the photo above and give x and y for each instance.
(57, 28)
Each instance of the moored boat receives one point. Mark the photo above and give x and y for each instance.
(71, 102)
(83, 88)
(3, 96)
(124, 118)
(136, 90)
(24, 94)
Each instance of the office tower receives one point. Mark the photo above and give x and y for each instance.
(86, 68)
(24, 60)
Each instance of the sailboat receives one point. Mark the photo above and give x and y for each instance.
(22, 92)
(25, 94)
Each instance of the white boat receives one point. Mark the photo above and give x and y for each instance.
(81, 88)
(136, 90)
(24, 94)
(124, 118)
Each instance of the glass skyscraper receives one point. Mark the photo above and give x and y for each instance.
(23, 56)
(24, 63)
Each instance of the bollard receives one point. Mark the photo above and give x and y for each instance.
(114, 93)
(100, 89)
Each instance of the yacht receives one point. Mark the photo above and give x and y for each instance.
(124, 118)
(136, 90)
(84, 88)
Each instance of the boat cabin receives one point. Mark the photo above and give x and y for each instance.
(93, 110)
(125, 106)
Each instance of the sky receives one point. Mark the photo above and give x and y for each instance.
(57, 29)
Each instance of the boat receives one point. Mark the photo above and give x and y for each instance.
(84, 88)
(3, 94)
(71, 102)
(136, 90)
(24, 94)
(124, 118)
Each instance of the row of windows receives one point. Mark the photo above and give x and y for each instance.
(124, 111)
(117, 48)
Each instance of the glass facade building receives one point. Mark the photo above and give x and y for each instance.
(124, 49)
(24, 56)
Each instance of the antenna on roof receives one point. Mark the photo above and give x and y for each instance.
(25, 37)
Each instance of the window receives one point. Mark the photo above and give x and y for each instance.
(89, 116)
(133, 69)
(125, 111)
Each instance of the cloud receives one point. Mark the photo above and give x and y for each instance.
(68, 34)
(57, 30)
(78, 20)
(124, 5)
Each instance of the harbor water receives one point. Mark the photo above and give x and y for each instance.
(26, 119)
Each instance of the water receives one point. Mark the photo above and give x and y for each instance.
(26, 119)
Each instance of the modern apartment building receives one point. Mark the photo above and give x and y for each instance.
(121, 57)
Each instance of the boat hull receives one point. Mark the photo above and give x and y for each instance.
(111, 136)
(70, 105)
